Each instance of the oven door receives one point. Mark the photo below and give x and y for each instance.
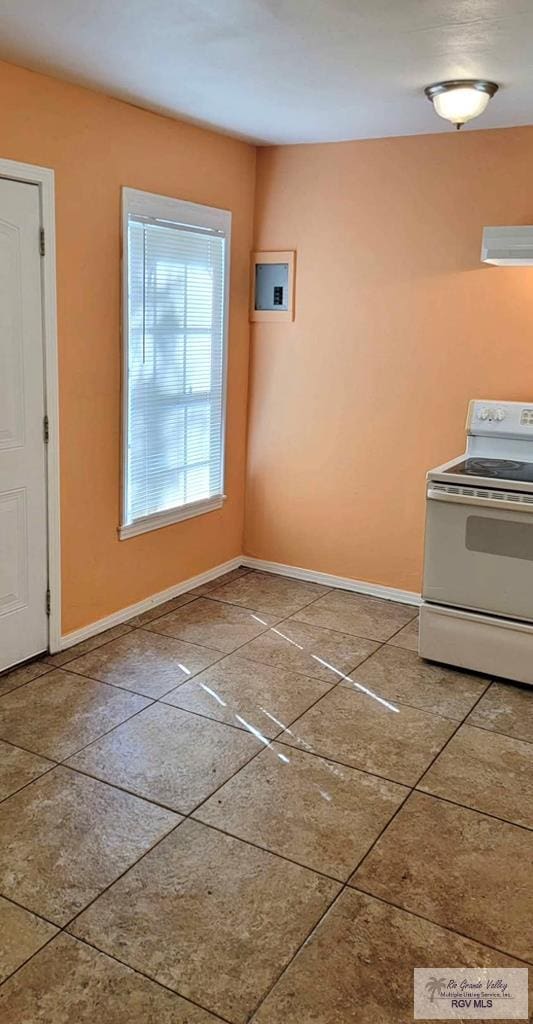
(479, 550)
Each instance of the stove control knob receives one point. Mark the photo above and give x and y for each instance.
(499, 415)
(483, 414)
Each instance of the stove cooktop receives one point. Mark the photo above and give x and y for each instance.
(496, 469)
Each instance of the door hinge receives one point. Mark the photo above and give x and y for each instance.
(48, 601)
(46, 430)
(42, 249)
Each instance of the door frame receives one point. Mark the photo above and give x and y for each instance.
(44, 178)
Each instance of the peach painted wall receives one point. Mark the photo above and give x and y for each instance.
(397, 325)
(96, 145)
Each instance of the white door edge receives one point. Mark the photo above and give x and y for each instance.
(44, 178)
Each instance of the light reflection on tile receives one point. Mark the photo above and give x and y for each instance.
(222, 627)
(145, 662)
(260, 693)
(305, 808)
(301, 744)
(310, 650)
(357, 730)
(169, 756)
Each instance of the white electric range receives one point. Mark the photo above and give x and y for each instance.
(477, 610)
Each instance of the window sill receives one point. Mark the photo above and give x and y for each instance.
(173, 515)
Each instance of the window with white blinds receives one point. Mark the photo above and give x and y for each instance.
(176, 257)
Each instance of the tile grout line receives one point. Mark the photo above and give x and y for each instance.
(277, 622)
(376, 840)
(138, 693)
(223, 654)
(264, 849)
(339, 683)
(184, 817)
(277, 738)
(28, 751)
(352, 888)
(343, 885)
(152, 701)
(469, 807)
(74, 753)
(20, 666)
(134, 863)
(455, 731)
(307, 939)
(266, 746)
(496, 732)
(62, 928)
(47, 771)
(343, 888)
(437, 924)
(63, 762)
(19, 967)
(149, 977)
(160, 700)
(42, 917)
(413, 788)
(188, 817)
(346, 885)
(127, 629)
(240, 607)
(260, 750)
(18, 686)
(192, 814)
(161, 615)
(156, 803)
(61, 931)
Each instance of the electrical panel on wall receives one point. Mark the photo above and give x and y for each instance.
(272, 286)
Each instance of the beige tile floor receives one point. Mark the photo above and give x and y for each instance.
(256, 803)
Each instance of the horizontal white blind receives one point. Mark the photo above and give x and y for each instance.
(175, 364)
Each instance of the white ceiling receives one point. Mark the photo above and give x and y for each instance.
(280, 71)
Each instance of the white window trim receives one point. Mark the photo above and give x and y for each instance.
(149, 204)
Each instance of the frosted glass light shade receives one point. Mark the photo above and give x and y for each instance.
(461, 105)
(460, 101)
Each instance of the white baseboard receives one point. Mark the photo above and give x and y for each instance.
(310, 575)
(328, 580)
(116, 618)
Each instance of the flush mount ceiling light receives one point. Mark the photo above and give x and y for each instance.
(460, 100)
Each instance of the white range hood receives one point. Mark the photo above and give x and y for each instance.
(508, 247)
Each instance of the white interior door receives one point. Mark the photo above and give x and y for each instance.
(23, 529)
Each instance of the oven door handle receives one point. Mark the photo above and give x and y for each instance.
(507, 503)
